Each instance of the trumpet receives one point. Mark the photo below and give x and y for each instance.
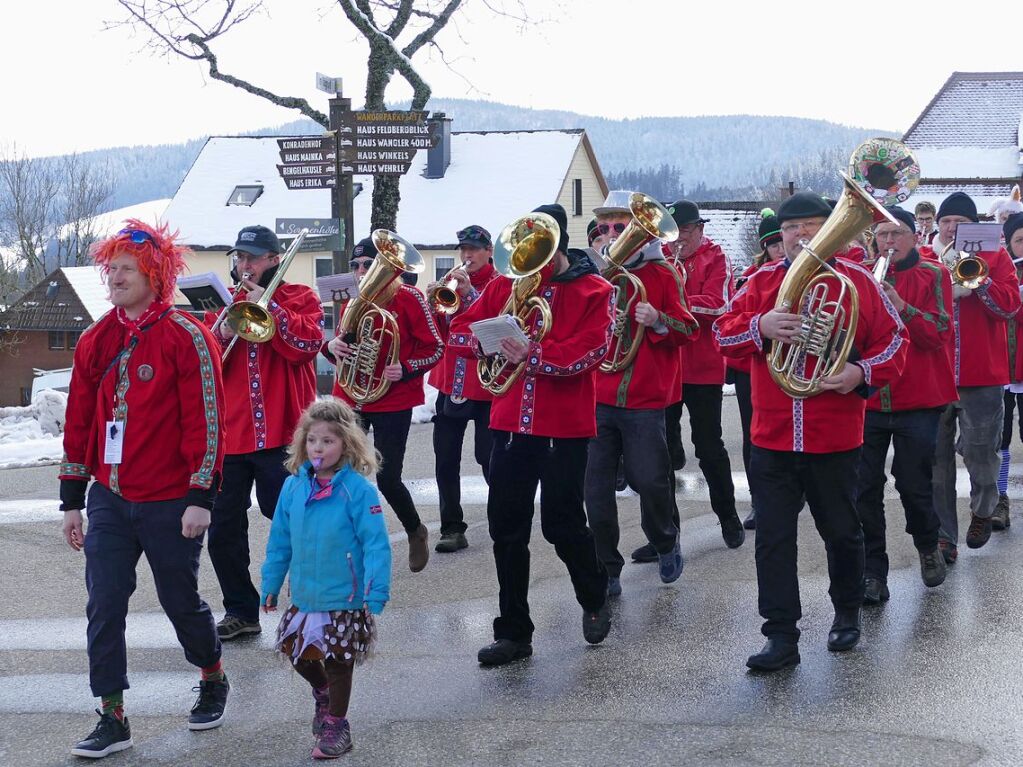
(967, 271)
(882, 264)
(445, 299)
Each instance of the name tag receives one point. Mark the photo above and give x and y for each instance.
(114, 442)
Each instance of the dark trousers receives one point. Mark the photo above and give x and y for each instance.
(119, 532)
(229, 530)
(448, 436)
(704, 404)
(390, 435)
(744, 397)
(638, 435)
(517, 465)
(828, 480)
(914, 433)
(1011, 400)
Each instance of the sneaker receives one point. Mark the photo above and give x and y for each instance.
(418, 548)
(979, 532)
(597, 624)
(1000, 519)
(503, 651)
(732, 531)
(932, 567)
(208, 711)
(614, 586)
(671, 564)
(449, 543)
(750, 523)
(109, 736)
(645, 553)
(231, 626)
(322, 701)
(334, 740)
(875, 591)
(949, 552)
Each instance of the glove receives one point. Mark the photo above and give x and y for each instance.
(958, 291)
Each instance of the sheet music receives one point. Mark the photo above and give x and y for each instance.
(206, 279)
(973, 238)
(337, 287)
(490, 332)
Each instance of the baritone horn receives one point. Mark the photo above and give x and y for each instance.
(521, 251)
(650, 221)
(881, 171)
(368, 326)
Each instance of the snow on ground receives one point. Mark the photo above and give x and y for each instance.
(32, 435)
(424, 413)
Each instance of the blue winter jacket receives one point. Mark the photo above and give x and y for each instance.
(336, 548)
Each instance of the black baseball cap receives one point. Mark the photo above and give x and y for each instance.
(475, 236)
(256, 241)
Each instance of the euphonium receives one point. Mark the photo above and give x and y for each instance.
(251, 320)
(650, 221)
(888, 173)
(968, 271)
(444, 299)
(523, 248)
(370, 328)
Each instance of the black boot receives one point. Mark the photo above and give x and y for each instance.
(777, 653)
(845, 631)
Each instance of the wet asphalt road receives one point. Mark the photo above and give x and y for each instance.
(936, 680)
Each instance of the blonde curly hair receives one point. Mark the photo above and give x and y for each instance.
(356, 449)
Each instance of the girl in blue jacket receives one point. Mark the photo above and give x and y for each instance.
(328, 531)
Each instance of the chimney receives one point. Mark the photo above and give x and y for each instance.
(438, 158)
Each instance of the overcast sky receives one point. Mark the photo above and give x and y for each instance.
(71, 86)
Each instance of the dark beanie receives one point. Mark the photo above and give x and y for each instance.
(958, 204)
(591, 231)
(1012, 223)
(770, 228)
(364, 248)
(803, 205)
(556, 212)
(904, 216)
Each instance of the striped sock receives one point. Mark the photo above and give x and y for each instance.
(214, 673)
(113, 704)
(1003, 474)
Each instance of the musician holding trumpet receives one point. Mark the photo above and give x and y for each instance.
(269, 384)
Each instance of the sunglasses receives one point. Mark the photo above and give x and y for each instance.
(360, 263)
(473, 233)
(606, 228)
(137, 236)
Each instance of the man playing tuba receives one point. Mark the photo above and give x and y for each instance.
(808, 447)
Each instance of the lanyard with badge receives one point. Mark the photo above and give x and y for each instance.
(113, 442)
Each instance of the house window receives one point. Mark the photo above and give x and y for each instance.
(324, 266)
(56, 340)
(577, 197)
(442, 265)
(245, 195)
(328, 321)
(72, 339)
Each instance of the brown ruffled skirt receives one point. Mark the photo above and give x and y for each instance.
(343, 635)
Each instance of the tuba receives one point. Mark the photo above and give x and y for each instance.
(370, 328)
(444, 299)
(968, 271)
(251, 320)
(881, 171)
(650, 221)
(523, 248)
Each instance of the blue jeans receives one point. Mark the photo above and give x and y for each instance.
(914, 433)
(119, 532)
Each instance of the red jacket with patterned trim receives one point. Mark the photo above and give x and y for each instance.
(742, 364)
(979, 350)
(927, 380)
(455, 375)
(708, 274)
(555, 395)
(270, 384)
(828, 422)
(167, 390)
(420, 349)
(650, 382)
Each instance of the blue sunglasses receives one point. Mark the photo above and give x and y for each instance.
(137, 236)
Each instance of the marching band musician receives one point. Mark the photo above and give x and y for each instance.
(906, 411)
(630, 420)
(460, 397)
(708, 280)
(270, 384)
(808, 447)
(541, 429)
(924, 216)
(420, 349)
(1012, 231)
(980, 361)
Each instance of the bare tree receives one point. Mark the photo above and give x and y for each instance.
(188, 28)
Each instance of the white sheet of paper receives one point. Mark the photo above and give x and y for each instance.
(114, 443)
(490, 332)
(973, 238)
(337, 287)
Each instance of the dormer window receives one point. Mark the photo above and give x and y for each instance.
(245, 195)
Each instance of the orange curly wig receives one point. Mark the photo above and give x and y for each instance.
(161, 259)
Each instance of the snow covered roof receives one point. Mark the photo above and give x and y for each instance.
(984, 192)
(733, 226)
(70, 298)
(110, 223)
(87, 282)
(493, 178)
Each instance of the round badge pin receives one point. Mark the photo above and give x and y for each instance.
(145, 373)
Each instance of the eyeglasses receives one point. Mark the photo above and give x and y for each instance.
(804, 225)
(243, 256)
(138, 236)
(605, 229)
(360, 263)
(891, 234)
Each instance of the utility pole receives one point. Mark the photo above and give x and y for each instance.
(341, 203)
